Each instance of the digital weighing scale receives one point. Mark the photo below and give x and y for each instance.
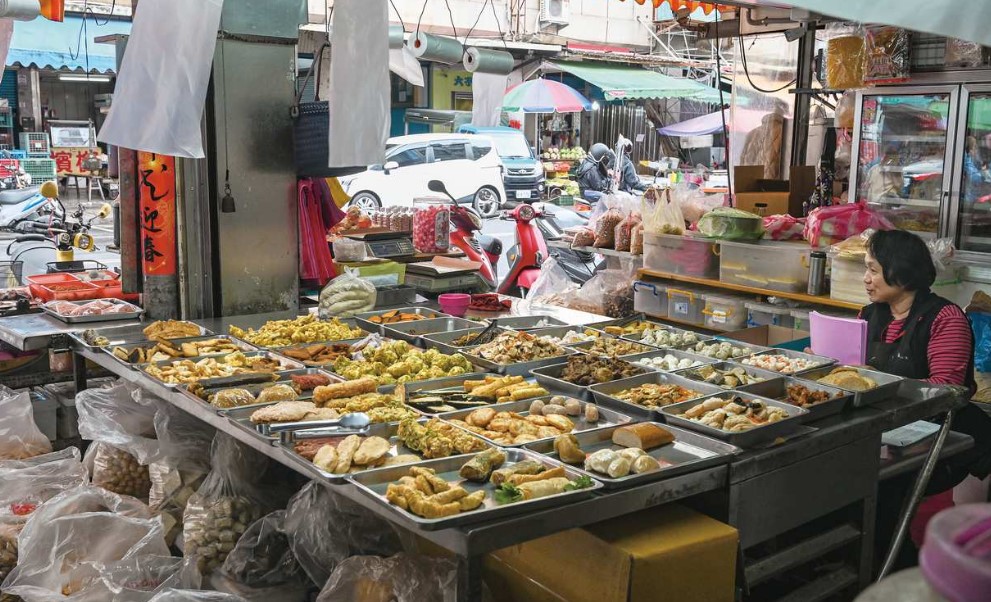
(384, 244)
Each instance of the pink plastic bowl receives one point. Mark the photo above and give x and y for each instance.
(455, 304)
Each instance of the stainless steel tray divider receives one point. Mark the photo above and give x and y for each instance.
(412, 331)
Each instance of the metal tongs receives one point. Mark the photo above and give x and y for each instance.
(349, 424)
(630, 320)
(488, 335)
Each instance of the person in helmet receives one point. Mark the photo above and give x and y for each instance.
(593, 172)
(628, 178)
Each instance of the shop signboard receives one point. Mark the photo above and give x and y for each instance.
(70, 160)
(157, 194)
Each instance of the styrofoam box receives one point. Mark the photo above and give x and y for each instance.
(682, 255)
(724, 312)
(778, 266)
(650, 298)
(765, 314)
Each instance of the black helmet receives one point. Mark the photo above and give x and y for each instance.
(599, 152)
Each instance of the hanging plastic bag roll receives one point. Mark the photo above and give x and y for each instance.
(176, 79)
(396, 37)
(20, 10)
(437, 49)
(488, 61)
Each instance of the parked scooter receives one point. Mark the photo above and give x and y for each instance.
(466, 234)
(27, 211)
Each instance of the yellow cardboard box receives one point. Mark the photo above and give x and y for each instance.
(666, 553)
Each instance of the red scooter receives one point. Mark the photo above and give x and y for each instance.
(524, 258)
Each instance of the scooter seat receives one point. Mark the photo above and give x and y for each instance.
(13, 197)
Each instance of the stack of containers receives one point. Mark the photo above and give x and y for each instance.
(778, 266)
(685, 305)
(765, 314)
(650, 298)
(724, 312)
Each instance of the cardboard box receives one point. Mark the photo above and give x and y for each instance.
(665, 553)
(772, 336)
(782, 196)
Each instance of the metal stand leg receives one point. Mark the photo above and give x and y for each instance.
(79, 372)
(469, 579)
(912, 503)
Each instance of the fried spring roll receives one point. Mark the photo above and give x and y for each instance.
(481, 466)
(525, 467)
(326, 393)
(547, 487)
(553, 473)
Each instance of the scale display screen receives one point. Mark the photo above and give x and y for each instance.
(394, 247)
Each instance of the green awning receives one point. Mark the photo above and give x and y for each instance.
(633, 83)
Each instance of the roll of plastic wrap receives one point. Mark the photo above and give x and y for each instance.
(396, 37)
(482, 60)
(438, 49)
(21, 10)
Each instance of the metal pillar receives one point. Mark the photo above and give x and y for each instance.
(800, 124)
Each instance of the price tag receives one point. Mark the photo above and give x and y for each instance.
(681, 308)
(640, 138)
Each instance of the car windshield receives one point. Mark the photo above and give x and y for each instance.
(511, 146)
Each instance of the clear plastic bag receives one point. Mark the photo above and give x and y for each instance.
(829, 225)
(963, 54)
(552, 282)
(26, 484)
(117, 471)
(886, 54)
(20, 437)
(399, 578)
(325, 528)
(624, 231)
(636, 240)
(605, 229)
(139, 579)
(112, 415)
(661, 214)
(729, 223)
(185, 595)
(346, 249)
(262, 557)
(227, 502)
(784, 227)
(10, 529)
(185, 461)
(845, 110)
(346, 296)
(583, 238)
(844, 56)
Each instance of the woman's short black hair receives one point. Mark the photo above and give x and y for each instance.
(904, 258)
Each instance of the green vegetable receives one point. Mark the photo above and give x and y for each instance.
(582, 482)
(508, 493)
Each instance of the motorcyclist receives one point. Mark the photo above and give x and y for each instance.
(593, 173)
(629, 181)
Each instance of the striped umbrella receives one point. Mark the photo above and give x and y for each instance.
(544, 96)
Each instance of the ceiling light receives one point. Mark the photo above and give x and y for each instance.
(70, 77)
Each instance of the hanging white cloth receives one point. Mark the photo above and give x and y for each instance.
(487, 92)
(161, 89)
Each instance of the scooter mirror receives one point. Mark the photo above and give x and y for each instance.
(49, 190)
(438, 186)
(105, 211)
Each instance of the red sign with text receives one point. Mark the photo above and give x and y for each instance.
(157, 201)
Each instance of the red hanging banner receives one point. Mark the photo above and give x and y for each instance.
(157, 200)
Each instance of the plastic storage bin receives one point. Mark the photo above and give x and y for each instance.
(682, 255)
(765, 314)
(724, 312)
(45, 413)
(650, 298)
(775, 266)
(686, 305)
(847, 281)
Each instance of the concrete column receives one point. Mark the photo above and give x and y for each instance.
(29, 98)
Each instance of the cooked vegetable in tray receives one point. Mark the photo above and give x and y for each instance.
(614, 347)
(474, 393)
(656, 395)
(304, 329)
(392, 362)
(729, 378)
(516, 347)
(437, 439)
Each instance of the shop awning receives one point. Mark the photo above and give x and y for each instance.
(633, 83)
(65, 46)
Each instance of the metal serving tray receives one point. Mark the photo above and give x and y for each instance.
(607, 417)
(520, 368)
(692, 373)
(135, 315)
(755, 436)
(375, 482)
(550, 377)
(241, 417)
(560, 331)
(777, 388)
(285, 363)
(605, 394)
(528, 322)
(256, 388)
(348, 321)
(701, 359)
(689, 452)
(281, 350)
(444, 341)
(386, 431)
(637, 338)
(129, 347)
(449, 382)
(363, 321)
(821, 359)
(586, 347)
(132, 333)
(887, 384)
(754, 349)
(411, 332)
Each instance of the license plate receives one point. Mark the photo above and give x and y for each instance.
(522, 194)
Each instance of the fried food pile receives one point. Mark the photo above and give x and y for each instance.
(848, 378)
(510, 428)
(171, 329)
(292, 411)
(188, 371)
(395, 316)
(354, 453)
(437, 439)
(399, 362)
(734, 415)
(587, 370)
(318, 354)
(237, 397)
(304, 329)
(615, 347)
(516, 347)
(425, 494)
(653, 395)
(165, 349)
(803, 397)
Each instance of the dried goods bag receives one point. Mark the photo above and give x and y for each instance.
(262, 557)
(963, 54)
(886, 54)
(26, 484)
(636, 240)
(844, 56)
(829, 225)
(20, 437)
(140, 578)
(325, 528)
(583, 238)
(225, 505)
(346, 295)
(605, 229)
(400, 578)
(661, 213)
(624, 231)
(553, 282)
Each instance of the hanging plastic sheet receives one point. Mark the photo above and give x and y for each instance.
(359, 84)
(487, 90)
(162, 85)
(404, 64)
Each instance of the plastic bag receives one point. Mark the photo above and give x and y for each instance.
(25, 485)
(605, 229)
(346, 249)
(661, 214)
(20, 437)
(981, 323)
(118, 471)
(346, 296)
(636, 240)
(325, 528)
(624, 231)
(553, 281)
(185, 461)
(67, 542)
(227, 502)
(583, 238)
(829, 225)
(846, 109)
(886, 54)
(784, 227)
(963, 54)
(729, 223)
(185, 595)
(262, 557)
(609, 292)
(400, 578)
(844, 56)
(139, 579)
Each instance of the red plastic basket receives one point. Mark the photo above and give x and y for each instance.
(62, 287)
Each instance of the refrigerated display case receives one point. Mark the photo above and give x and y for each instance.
(970, 225)
(903, 140)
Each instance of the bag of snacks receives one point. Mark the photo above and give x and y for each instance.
(963, 54)
(123, 432)
(846, 109)
(553, 281)
(325, 528)
(844, 56)
(636, 240)
(139, 579)
(346, 295)
(661, 213)
(400, 578)
(624, 231)
(784, 227)
(886, 54)
(583, 238)
(829, 225)
(225, 505)
(605, 226)
(184, 463)
(262, 557)
(20, 437)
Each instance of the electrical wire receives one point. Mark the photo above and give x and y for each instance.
(401, 22)
(722, 113)
(420, 18)
(746, 71)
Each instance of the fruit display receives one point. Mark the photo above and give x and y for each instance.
(784, 364)
(516, 347)
(395, 362)
(721, 350)
(575, 153)
(668, 363)
(431, 226)
(304, 329)
(566, 186)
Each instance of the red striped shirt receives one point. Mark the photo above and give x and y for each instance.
(950, 344)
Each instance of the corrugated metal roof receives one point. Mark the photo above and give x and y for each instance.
(65, 46)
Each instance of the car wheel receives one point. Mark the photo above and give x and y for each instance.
(486, 202)
(366, 201)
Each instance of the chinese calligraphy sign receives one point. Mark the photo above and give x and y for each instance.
(157, 201)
